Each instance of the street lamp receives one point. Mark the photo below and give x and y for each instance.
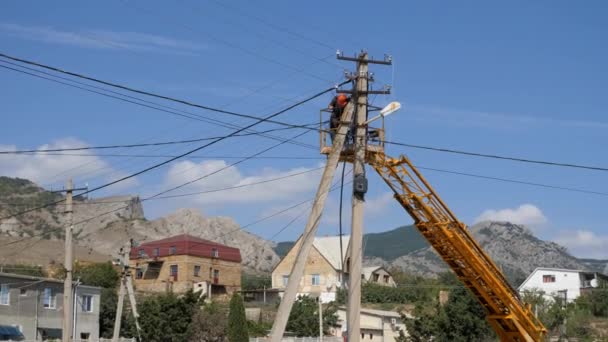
(386, 111)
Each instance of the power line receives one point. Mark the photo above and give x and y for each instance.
(122, 155)
(147, 93)
(515, 181)
(197, 192)
(476, 154)
(146, 104)
(84, 148)
(265, 119)
(299, 126)
(230, 44)
(124, 207)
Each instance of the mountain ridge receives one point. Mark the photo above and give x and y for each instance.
(514, 248)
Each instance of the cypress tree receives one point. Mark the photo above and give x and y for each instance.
(237, 321)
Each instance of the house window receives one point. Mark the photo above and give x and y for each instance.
(549, 278)
(216, 276)
(376, 277)
(215, 253)
(173, 272)
(156, 252)
(85, 336)
(172, 250)
(386, 279)
(197, 270)
(139, 273)
(49, 298)
(23, 291)
(285, 280)
(5, 295)
(316, 279)
(87, 303)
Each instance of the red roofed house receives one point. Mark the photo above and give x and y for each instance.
(184, 262)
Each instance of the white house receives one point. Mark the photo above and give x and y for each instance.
(562, 283)
(376, 325)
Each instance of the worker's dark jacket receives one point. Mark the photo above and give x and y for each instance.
(336, 113)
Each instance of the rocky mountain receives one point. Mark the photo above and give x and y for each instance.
(104, 225)
(513, 247)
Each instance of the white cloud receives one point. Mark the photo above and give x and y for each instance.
(378, 205)
(101, 39)
(526, 214)
(584, 243)
(286, 189)
(51, 168)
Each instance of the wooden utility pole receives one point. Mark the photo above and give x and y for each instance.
(66, 335)
(289, 296)
(358, 200)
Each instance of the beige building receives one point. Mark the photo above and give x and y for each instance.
(377, 275)
(185, 262)
(376, 325)
(323, 270)
(323, 273)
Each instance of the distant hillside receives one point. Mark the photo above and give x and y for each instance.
(387, 245)
(513, 247)
(282, 248)
(103, 225)
(394, 243)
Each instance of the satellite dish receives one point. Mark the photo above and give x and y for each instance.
(593, 282)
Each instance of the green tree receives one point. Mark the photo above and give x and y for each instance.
(255, 282)
(237, 321)
(107, 277)
(304, 317)
(423, 327)
(462, 319)
(209, 324)
(100, 274)
(167, 317)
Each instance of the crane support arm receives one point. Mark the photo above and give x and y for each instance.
(507, 314)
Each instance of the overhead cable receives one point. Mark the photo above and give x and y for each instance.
(261, 120)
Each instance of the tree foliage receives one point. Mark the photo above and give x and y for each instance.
(237, 321)
(255, 282)
(30, 270)
(99, 274)
(167, 317)
(461, 319)
(209, 324)
(304, 317)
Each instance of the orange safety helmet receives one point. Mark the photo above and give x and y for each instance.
(342, 100)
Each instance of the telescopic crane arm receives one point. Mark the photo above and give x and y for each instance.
(507, 314)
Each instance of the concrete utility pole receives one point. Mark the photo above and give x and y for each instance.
(320, 319)
(126, 284)
(278, 328)
(358, 200)
(66, 335)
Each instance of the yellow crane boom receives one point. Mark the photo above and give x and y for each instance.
(507, 314)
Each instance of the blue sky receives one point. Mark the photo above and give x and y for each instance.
(519, 79)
